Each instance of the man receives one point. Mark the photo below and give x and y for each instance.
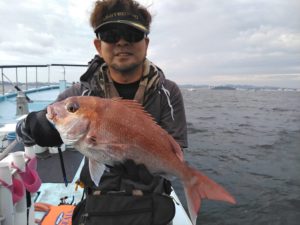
(120, 70)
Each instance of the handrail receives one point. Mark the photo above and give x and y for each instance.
(36, 66)
(73, 65)
(42, 65)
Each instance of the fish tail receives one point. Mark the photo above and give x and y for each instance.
(197, 186)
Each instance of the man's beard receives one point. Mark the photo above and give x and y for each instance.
(127, 69)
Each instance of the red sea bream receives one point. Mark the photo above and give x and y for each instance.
(113, 130)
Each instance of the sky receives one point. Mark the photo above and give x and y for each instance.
(205, 42)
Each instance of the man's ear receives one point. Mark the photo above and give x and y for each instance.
(97, 44)
(147, 42)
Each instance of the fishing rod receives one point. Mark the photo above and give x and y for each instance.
(16, 87)
(62, 164)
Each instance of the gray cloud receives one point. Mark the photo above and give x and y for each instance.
(192, 41)
(227, 37)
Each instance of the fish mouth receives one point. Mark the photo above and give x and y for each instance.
(50, 115)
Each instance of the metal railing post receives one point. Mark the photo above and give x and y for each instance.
(49, 75)
(64, 72)
(17, 82)
(36, 78)
(3, 86)
(26, 80)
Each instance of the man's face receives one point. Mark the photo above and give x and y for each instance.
(122, 48)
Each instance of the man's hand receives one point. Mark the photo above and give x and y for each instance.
(23, 133)
(36, 129)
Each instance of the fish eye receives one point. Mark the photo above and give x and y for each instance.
(72, 107)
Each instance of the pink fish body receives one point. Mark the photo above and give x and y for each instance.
(113, 130)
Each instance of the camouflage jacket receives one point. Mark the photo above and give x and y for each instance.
(159, 96)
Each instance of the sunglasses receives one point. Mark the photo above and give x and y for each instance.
(113, 36)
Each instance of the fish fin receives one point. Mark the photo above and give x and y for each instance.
(135, 106)
(138, 108)
(197, 187)
(96, 170)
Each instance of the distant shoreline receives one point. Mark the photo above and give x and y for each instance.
(238, 87)
(10, 89)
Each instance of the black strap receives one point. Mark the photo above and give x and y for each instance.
(62, 164)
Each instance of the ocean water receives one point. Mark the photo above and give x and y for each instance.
(248, 141)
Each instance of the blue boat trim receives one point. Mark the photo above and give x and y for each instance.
(44, 88)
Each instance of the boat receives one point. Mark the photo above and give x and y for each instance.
(58, 186)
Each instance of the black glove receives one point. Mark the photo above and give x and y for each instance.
(23, 134)
(36, 129)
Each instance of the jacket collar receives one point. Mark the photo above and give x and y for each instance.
(99, 82)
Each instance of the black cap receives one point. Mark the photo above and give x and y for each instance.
(123, 17)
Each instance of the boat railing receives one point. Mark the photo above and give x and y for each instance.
(26, 77)
(32, 78)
